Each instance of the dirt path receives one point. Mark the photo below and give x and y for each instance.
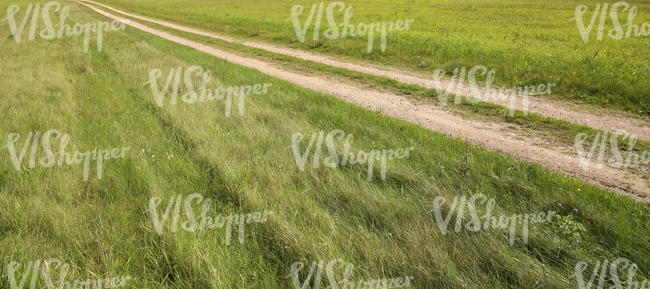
(489, 135)
(554, 109)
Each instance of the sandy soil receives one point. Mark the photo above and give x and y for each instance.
(492, 136)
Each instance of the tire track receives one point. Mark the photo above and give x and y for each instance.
(554, 109)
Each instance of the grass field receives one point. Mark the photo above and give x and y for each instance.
(103, 229)
(526, 42)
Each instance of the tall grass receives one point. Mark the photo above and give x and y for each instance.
(102, 228)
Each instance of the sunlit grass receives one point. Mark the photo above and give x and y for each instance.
(244, 165)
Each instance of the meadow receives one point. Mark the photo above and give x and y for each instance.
(242, 162)
(526, 42)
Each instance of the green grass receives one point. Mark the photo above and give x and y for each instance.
(243, 164)
(526, 42)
